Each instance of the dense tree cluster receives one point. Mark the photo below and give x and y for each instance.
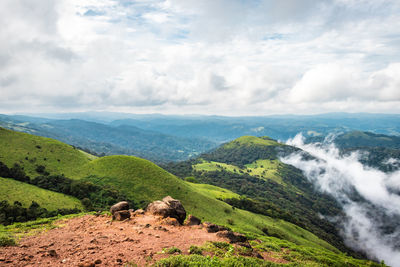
(92, 196)
(241, 155)
(295, 200)
(16, 172)
(17, 213)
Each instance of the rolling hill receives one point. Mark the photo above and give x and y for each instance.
(106, 139)
(142, 181)
(375, 150)
(12, 190)
(250, 166)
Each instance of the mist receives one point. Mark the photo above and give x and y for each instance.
(370, 198)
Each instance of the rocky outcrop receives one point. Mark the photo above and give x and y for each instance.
(168, 207)
(116, 210)
(123, 205)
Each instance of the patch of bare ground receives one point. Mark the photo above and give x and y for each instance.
(96, 241)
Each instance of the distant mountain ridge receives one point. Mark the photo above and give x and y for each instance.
(105, 139)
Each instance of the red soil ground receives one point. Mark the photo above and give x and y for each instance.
(89, 239)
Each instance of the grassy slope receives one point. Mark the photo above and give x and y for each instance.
(30, 151)
(145, 182)
(252, 140)
(12, 190)
(264, 169)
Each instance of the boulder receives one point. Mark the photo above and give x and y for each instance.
(192, 220)
(168, 207)
(123, 205)
(170, 221)
(122, 215)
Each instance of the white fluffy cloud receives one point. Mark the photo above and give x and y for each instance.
(184, 56)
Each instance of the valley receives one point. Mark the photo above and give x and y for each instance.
(244, 185)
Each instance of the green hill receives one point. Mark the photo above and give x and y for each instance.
(142, 181)
(250, 166)
(12, 190)
(367, 139)
(31, 151)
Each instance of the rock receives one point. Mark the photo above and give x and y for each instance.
(159, 208)
(122, 215)
(138, 212)
(192, 220)
(168, 207)
(53, 253)
(98, 261)
(123, 205)
(213, 228)
(232, 236)
(170, 221)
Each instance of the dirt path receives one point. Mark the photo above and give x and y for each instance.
(90, 240)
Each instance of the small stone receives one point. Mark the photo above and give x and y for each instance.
(53, 253)
(86, 264)
(157, 236)
(98, 261)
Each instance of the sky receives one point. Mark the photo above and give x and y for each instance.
(225, 57)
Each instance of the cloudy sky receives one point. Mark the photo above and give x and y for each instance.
(228, 57)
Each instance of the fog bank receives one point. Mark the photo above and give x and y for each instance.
(370, 198)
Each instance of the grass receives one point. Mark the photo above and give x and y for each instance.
(225, 254)
(12, 190)
(172, 250)
(198, 260)
(215, 166)
(213, 191)
(30, 151)
(263, 169)
(144, 182)
(140, 179)
(251, 140)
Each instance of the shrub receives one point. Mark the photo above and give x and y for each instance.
(172, 250)
(195, 250)
(6, 240)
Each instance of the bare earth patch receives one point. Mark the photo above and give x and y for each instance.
(90, 239)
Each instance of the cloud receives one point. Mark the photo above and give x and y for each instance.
(344, 177)
(189, 56)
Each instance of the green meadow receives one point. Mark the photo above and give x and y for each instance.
(143, 182)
